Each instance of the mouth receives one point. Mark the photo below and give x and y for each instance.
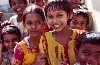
(20, 10)
(88, 64)
(56, 26)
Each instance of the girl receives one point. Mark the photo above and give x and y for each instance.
(27, 51)
(60, 43)
(81, 20)
(10, 35)
(18, 7)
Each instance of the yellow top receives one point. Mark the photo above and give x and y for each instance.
(24, 54)
(57, 52)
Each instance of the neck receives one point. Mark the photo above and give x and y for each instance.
(34, 41)
(19, 18)
(64, 32)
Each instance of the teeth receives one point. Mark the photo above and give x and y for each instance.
(56, 25)
(88, 64)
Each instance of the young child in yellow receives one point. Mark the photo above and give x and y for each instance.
(27, 51)
(60, 43)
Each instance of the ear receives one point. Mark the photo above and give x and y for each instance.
(87, 27)
(77, 54)
(23, 24)
(71, 15)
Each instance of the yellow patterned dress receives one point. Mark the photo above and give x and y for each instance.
(57, 52)
(24, 54)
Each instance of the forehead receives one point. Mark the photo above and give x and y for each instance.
(73, 1)
(80, 17)
(53, 12)
(90, 47)
(16, 0)
(10, 36)
(33, 16)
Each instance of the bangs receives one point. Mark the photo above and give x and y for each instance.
(55, 7)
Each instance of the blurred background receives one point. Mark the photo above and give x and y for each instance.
(92, 5)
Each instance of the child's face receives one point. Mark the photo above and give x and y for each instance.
(74, 3)
(89, 53)
(10, 41)
(57, 19)
(18, 6)
(78, 22)
(34, 24)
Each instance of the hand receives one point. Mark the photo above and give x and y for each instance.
(5, 23)
(0, 47)
(63, 62)
(41, 59)
(1, 15)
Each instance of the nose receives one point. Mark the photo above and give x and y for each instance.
(33, 26)
(11, 43)
(78, 26)
(91, 60)
(54, 20)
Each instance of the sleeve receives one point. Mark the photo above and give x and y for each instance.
(18, 55)
(13, 20)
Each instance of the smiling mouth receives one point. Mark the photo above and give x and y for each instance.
(56, 26)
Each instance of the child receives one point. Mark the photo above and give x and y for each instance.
(81, 20)
(74, 3)
(27, 51)
(88, 49)
(59, 44)
(10, 35)
(39, 3)
(18, 7)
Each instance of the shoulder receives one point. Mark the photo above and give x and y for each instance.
(13, 18)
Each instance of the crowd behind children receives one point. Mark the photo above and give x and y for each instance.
(43, 32)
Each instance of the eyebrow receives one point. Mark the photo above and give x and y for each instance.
(59, 12)
(97, 52)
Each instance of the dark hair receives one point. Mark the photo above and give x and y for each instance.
(59, 5)
(25, 1)
(11, 29)
(33, 9)
(84, 14)
(88, 38)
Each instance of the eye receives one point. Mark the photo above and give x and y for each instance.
(15, 40)
(97, 55)
(50, 17)
(6, 41)
(39, 22)
(21, 2)
(86, 53)
(29, 23)
(13, 4)
(82, 23)
(74, 22)
(59, 15)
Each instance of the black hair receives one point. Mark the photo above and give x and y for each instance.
(59, 5)
(88, 38)
(33, 9)
(25, 1)
(84, 14)
(11, 29)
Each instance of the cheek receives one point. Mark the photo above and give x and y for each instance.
(6, 44)
(49, 21)
(40, 28)
(81, 58)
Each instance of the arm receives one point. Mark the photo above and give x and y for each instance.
(17, 56)
(0, 53)
(41, 59)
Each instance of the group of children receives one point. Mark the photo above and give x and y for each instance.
(70, 42)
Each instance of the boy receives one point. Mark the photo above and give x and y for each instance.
(88, 49)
